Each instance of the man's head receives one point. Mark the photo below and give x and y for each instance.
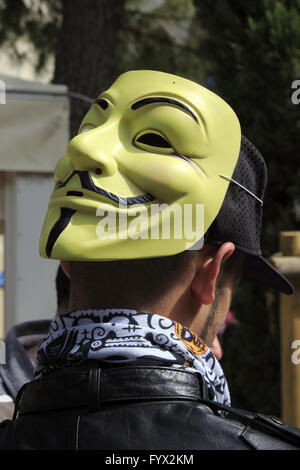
(154, 139)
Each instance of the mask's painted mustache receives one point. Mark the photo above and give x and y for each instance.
(87, 183)
(58, 228)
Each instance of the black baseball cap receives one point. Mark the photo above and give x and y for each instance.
(240, 217)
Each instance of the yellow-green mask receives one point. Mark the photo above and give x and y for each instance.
(149, 153)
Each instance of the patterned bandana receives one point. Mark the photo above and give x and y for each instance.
(129, 337)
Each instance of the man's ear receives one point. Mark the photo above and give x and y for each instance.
(205, 279)
(65, 266)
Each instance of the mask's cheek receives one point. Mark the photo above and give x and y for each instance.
(166, 177)
(63, 169)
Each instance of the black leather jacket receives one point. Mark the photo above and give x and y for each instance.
(134, 408)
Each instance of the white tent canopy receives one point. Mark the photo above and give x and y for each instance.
(34, 133)
(33, 125)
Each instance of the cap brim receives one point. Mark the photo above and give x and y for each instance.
(260, 271)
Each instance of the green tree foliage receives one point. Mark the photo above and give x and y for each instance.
(158, 36)
(153, 34)
(35, 21)
(254, 49)
(107, 37)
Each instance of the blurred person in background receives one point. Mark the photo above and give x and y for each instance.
(22, 342)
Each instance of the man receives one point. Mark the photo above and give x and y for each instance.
(156, 216)
(21, 343)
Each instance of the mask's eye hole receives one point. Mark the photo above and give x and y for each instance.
(154, 140)
(102, 103)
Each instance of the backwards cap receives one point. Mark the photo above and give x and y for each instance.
(240, 218)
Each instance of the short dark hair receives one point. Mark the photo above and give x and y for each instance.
(137, 282)
(62, 284)
(234, 265)
(132, 283)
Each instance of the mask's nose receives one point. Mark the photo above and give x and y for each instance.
(93, 151)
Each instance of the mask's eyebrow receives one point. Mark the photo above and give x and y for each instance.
(158, 99)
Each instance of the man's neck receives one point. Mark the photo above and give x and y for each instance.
(178, 306)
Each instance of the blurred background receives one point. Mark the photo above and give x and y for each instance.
(57, 54)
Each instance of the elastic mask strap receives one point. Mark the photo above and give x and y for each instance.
(241, 186)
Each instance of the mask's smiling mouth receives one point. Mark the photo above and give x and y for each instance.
(88, 184)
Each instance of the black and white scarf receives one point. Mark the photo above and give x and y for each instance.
(129, 337)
